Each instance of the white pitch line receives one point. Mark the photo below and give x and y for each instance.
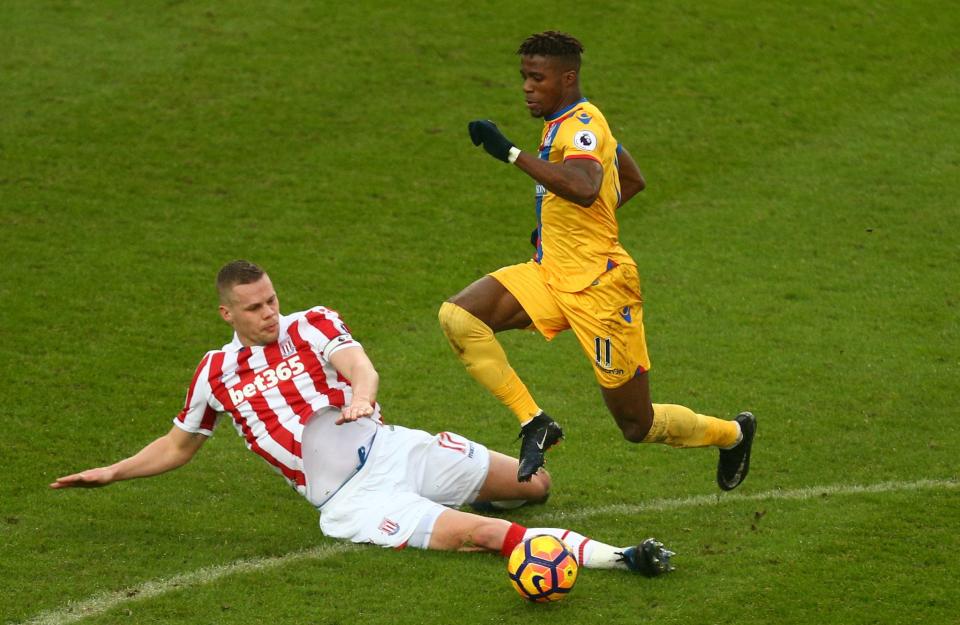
(103, 602)
(98, 604)
(812, 492)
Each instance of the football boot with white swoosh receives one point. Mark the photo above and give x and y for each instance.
(538, 435)
(734, 463)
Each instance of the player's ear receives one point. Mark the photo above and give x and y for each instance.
(225, 314)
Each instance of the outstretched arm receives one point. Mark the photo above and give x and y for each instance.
(353, 364)
(168, 452)
(631, 178)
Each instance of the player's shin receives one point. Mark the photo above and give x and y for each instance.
(678, 426)
(480, 352)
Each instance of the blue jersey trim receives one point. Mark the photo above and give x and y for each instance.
(544, 156)
(563, 112)
(539, 255)
(548, 143)
(616, 165)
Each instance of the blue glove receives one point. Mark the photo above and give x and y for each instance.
(486, 132)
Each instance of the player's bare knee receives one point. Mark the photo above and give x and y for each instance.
(634, 431)
(540, 485)
(634, 422)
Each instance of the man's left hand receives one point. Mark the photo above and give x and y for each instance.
(486, 132)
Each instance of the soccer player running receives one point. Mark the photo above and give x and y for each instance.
(303, 395)
(580, 277)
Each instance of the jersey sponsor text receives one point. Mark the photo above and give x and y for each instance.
(267, 379)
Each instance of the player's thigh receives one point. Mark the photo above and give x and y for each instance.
(449, 469)
(373, 513)
(490, 302)
(525, 282)
(464, 531)
(607, 319)
(502, 485)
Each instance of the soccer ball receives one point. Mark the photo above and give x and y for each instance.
(542, 569)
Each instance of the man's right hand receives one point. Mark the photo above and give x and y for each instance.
(173, 449)
(91, 478)
(359, 407)
(486, 132)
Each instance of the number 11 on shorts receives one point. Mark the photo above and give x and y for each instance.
(603, 352)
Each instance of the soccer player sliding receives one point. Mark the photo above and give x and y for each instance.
(302, 394)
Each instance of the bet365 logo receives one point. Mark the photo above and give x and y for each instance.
(267, 379)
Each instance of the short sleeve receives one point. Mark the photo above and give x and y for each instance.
(328, 332)
(582, 136)
(197, 415)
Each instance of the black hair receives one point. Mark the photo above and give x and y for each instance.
(553, 43)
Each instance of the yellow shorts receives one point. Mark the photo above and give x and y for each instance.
(606, 317)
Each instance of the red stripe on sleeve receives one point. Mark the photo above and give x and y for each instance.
(215, 376)
(587, 156)
(209, 419)
(323, 323)
(193, 386)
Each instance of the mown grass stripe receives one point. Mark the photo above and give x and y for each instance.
(98, 604)
(103, 602)
(812, 492)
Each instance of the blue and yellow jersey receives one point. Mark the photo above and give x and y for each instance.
(578, 244)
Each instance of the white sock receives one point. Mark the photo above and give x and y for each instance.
(590, 553)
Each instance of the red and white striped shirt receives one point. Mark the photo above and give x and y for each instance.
(271, 391)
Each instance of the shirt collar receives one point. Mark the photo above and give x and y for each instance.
(564, 111)
(235, 345)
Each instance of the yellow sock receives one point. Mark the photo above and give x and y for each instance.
(473, 342)
(678, 426)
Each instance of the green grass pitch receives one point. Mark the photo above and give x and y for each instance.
(799, 245)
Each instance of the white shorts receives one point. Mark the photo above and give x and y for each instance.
(408, 478)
